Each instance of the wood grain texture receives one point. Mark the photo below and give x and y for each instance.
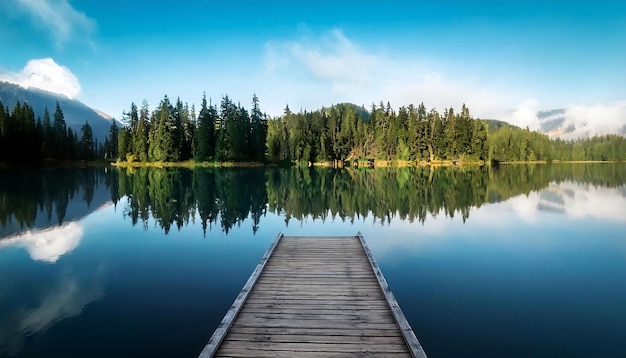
(315, 297)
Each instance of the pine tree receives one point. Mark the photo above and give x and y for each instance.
(112, 148)
(59, 133)
(258, 132)
(87, 147)
(140, 135)
(204, 140)
(123, 143)
(48, 135)
(162, 147)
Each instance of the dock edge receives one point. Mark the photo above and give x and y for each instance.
(407, 332)
(222, 329)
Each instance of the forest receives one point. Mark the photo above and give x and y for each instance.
(228, 132)
(24, 139)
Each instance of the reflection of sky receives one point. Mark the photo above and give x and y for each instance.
(48, 244)
(549, 210)
(52, 242)
(573, 200)
(49, 299)
(66, 299)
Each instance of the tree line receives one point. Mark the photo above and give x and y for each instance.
(342, 132)
(24, 139)
(174, 133)
(510, 143)
(347, 132)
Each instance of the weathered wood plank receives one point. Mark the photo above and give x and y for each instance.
(300, 331)
(313, 296)
(314, 338)
(244, 352)
(319, 347)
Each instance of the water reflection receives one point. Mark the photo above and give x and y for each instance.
(48, 244)
(572, 200)
(224, 198)
(43, 213)
(67, 298)
(39, 199)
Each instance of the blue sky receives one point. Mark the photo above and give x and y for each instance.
(505, 59)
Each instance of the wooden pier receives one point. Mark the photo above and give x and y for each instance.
(315, 296)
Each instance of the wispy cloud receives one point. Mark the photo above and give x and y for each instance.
(45, 74)
(346, 71)
(337, 59)
(60, 18)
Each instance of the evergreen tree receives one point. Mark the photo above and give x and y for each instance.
(87, 147)
(71, 145)
(204, 143)
(140, 135)
(258, 132)
(59, 134)
(123, 143)
(162, 148)
(48, 135)
(112, 148)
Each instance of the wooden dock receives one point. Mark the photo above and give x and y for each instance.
(315, 296)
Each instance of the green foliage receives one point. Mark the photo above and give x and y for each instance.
(171, 133)
(111, 142)
(25, 140)
(341, 133)
(204, 140)
(86, 143)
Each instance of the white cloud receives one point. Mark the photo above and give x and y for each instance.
(598, 119)
(62, 21)
(525, 115)
(45, 74)
(48, 245)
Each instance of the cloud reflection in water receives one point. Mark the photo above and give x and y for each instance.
(67, 298)
(49, 244)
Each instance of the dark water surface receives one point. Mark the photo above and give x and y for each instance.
(516, 261)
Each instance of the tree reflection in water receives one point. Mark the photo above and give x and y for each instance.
(225, 197)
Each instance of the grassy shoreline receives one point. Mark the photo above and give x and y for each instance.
(50, 164)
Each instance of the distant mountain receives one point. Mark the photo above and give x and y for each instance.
(558, 123)
(551, 122)
(359, 110)
(495, 124)
(74, 111)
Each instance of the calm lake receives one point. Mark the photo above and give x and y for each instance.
(515, 261)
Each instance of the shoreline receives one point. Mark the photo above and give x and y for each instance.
(349, 164)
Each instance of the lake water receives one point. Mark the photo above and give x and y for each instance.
(516, 261)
